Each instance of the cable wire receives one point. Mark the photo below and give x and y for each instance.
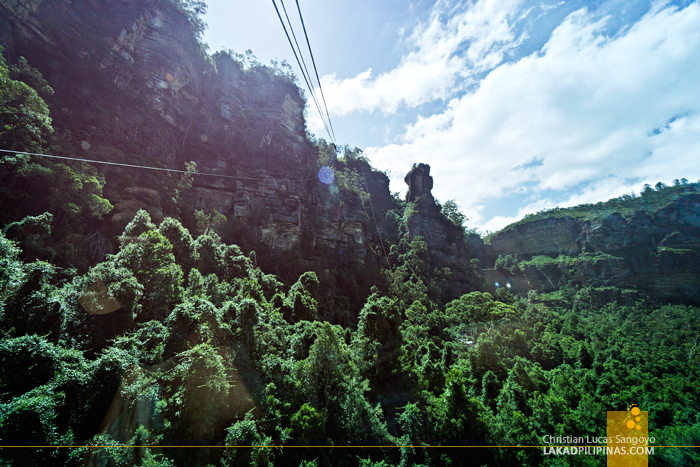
(162, 169)
(318, 107)
(303, 61)
(313, 62)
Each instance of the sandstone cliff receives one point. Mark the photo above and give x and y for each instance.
(444, 239)
(655, 252)
(133, 85)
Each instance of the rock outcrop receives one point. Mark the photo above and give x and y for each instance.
(444, 239)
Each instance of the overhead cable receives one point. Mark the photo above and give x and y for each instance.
(302, 60)
(302, 70)
(162, 169)
(313, 62)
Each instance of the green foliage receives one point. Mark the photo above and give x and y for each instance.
(24, 116)
(37, 359)
(195, 321)
(236, 356)
(147, 342)
(196, 393)
(300, 303)
(32, 419)
(32, 231)
(149, 257)
(322, 373)
(411, 422)
(182, 242)
(193, 11)
(22, 71)
(247, 433)
(112, 452)
(477, 307)
(248, 63)
(208, 221)
(350, 180)
(508, 263)
(181, 189)
(307, 427)
(72, 194)
(28, 303)
(379, 341)
(30, 186)
(84, 185)
(452, 212)
(327, 152)
(140, 224)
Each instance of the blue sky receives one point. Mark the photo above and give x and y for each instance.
(517, 106)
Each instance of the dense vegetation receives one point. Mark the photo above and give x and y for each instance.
(206, 349)
(179, 339)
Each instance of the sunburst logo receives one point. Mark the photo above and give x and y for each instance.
(628, 443)
(633, 418)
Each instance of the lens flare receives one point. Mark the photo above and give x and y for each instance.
(326, 175)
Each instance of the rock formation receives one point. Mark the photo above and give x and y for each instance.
(444, 239)
(657, 253)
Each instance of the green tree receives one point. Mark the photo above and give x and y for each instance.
(300, 303)
(378, 341)
(323, 372)
(452, 212)
(196, 401)
(462, 420)
(24, 116)
(182, 187)
(411, 422)
(208, 221)
(247, 432)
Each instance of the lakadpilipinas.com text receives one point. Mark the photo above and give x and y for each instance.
(591, 446)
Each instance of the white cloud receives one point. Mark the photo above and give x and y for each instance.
(600, 190)
(445, 53)
(596, 110)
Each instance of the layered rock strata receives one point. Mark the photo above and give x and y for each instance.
(133, 85)
(658, 252)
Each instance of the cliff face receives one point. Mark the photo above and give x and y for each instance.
(658, 254)
(132, 85)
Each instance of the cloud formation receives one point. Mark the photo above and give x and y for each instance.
(455, 44)
(588, 117)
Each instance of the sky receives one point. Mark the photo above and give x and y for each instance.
(517, 105)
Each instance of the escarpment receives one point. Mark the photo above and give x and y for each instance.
(134, 86)
(654, 252)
